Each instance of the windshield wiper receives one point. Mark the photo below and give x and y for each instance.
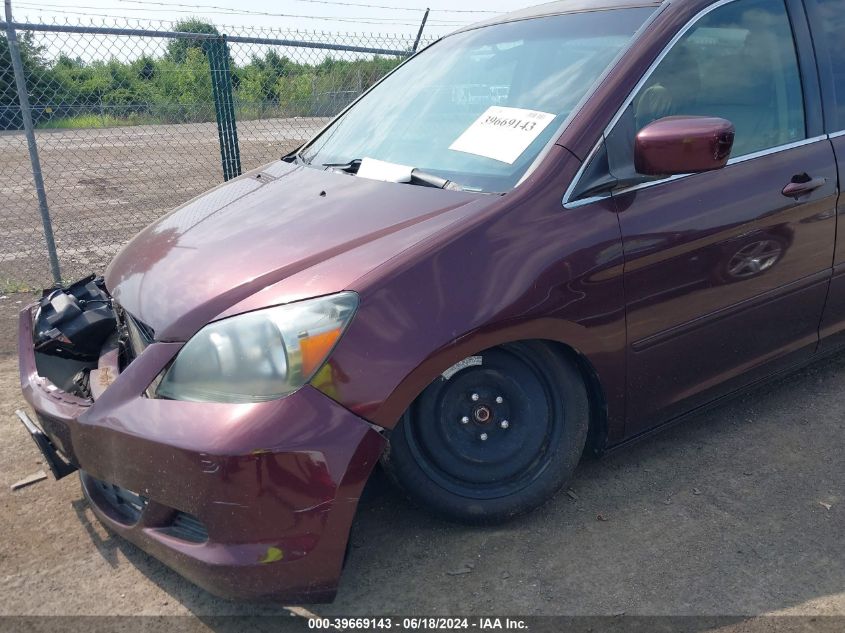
(418, 176)
(351, 167)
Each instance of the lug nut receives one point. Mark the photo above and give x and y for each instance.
(474, 397)
(465, 420)
(483, 437)
(499, 399)
(504, 424)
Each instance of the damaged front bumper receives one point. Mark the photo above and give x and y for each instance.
(249, 501)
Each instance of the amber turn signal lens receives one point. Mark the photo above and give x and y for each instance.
(315, 349)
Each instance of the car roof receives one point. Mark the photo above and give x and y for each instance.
(563, 6)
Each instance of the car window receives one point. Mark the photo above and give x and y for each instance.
(737, 62)
(831, 23)
(485, 82)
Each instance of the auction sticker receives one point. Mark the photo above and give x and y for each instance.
(502, 133)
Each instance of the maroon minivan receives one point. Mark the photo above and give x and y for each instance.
(545, 234)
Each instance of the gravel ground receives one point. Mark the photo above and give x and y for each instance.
(737, 511)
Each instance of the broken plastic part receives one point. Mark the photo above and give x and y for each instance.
(75, 321)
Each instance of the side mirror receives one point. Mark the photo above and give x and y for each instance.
(683, 145)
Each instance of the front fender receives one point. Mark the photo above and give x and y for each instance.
(584, 343)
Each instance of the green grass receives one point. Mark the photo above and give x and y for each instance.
(87, 121)
(245, 112)
(10, 286)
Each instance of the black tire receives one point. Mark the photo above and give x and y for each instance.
(441, 461)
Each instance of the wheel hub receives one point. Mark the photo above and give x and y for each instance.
(482, 414)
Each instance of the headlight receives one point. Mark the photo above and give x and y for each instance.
(258, 356)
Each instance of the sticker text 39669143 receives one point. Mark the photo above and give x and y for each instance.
(502, 133)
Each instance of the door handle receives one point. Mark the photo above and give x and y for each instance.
(797, 189)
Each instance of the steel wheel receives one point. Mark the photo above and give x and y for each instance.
(484, 432)
(494, 439)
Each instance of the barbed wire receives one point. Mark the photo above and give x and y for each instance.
(341, 20)
(269, 32)
(370, 20)
(329, 2)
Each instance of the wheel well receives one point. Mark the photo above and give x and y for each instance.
(597, 433)
(597, 400)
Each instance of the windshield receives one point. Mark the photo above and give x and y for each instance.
(477, 107)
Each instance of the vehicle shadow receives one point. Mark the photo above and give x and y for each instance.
(736, 511)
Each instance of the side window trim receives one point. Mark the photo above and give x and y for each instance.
(638, 86)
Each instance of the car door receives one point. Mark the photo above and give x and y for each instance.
(827, 23)
(726, 272)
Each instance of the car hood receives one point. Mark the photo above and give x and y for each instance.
(313, 231)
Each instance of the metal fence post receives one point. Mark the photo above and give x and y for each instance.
(420, 32)
(224, 106)
(229, 102)
(26, 115)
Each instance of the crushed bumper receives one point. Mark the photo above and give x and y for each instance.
(273, 486)
(57, 464)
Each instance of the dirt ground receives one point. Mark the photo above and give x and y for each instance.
(737, 511)
(105, 185)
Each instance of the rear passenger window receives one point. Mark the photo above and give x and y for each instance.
(737, 62)
(829, 18)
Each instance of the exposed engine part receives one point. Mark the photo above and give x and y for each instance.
(75, 321)
(82, 383)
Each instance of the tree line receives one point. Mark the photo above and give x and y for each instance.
(175, 87)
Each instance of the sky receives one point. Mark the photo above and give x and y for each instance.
(380, 16)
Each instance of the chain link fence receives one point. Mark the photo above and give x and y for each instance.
(133, 119)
